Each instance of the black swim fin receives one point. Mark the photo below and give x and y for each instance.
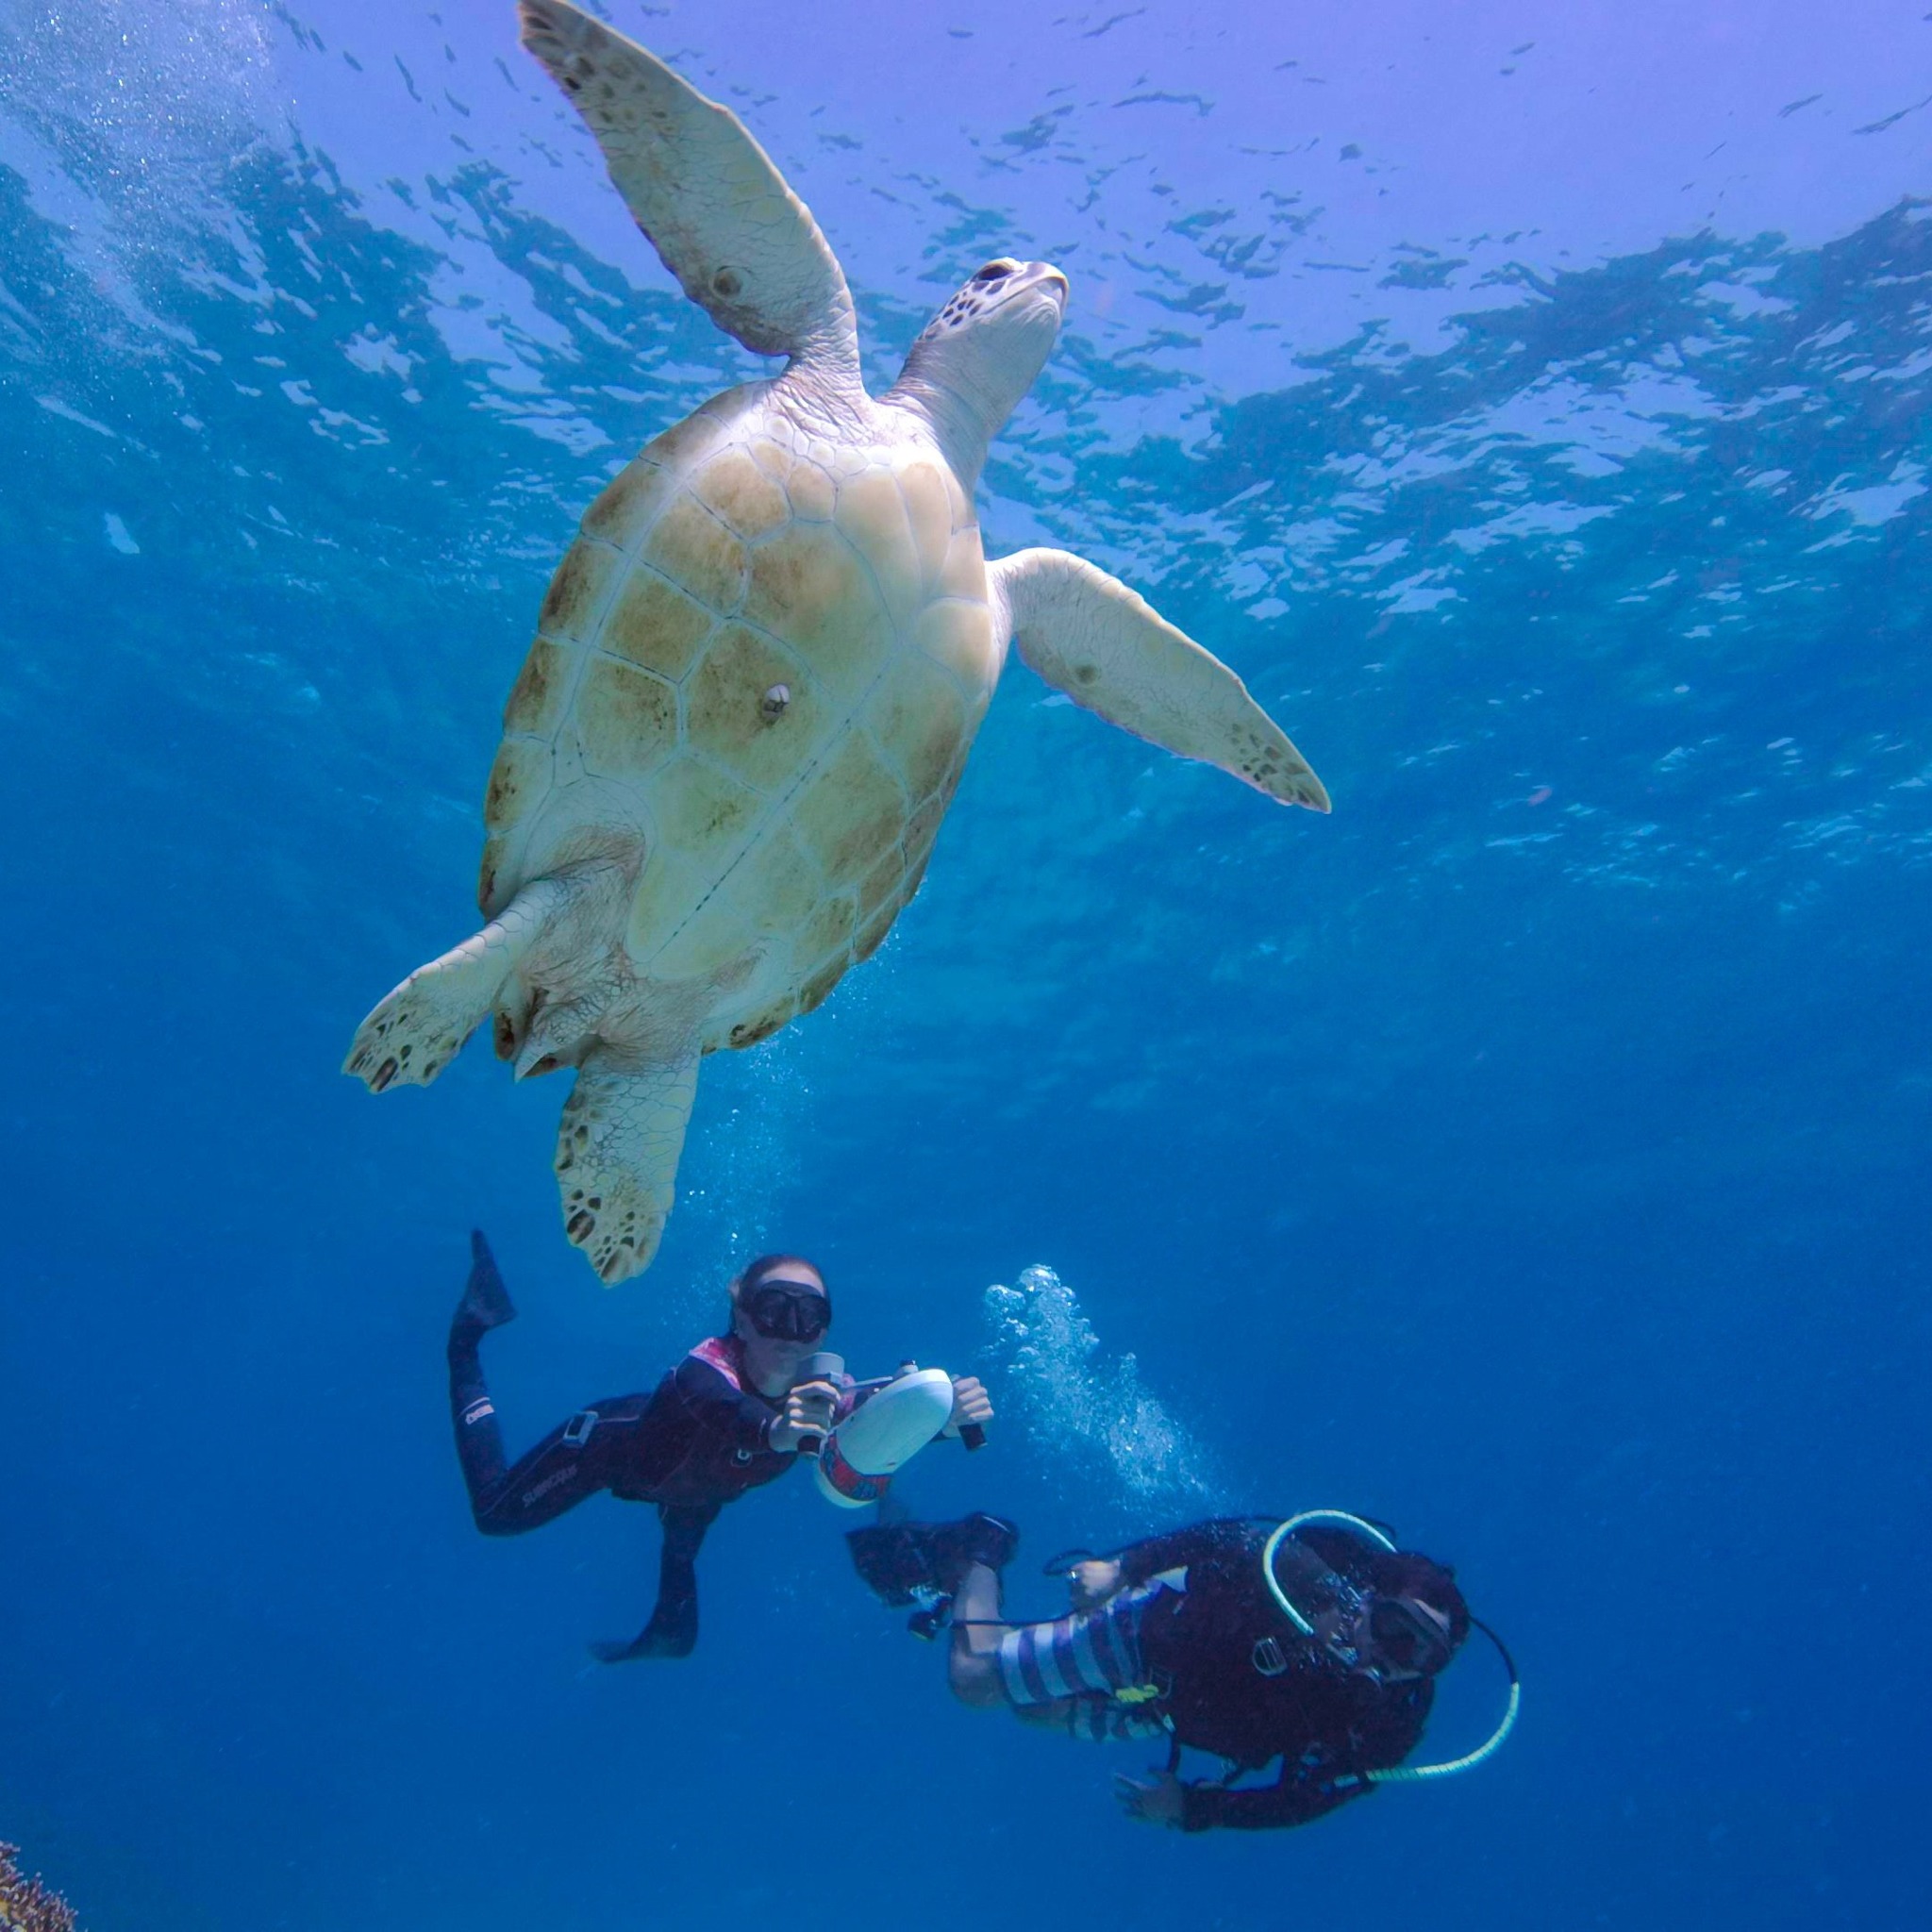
(976, 1539)
(665, 1637)
(904, 1563)
(673, 1631)
(894, 1561)
(486, 1302)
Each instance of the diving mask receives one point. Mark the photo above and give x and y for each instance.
(782, 1310)
(1408, 1638)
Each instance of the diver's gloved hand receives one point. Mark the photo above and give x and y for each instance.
(971, 1405)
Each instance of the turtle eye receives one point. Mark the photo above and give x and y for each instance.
(996, 271)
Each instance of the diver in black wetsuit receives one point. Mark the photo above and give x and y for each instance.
(1315, 1643)
(726, 1420)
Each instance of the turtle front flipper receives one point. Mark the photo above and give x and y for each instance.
(1109, 650)
(617, 1153)
(742, 245)
(422, 1025)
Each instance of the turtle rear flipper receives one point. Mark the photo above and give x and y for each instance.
(617, 1151)
(414, 1033)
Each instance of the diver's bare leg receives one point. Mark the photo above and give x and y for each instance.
(972, 1670)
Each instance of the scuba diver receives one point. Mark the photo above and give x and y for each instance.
(1315, 1641)
(732, 1416)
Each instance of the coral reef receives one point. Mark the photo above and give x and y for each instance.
(26, 1904)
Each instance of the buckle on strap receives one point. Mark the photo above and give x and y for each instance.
(1268, 1658)
(577, 1432)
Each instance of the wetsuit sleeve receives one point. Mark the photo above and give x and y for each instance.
(742, 1420)
(1194, 1544)
(1288, 1801)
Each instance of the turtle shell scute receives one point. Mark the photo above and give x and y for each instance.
(626, 719)
(578, 593)
(655, 625)
(625, 507)
(519, 779)
(729, 716)
(850, 813)
(741, 495)
(536, 704)
(690, 545)
(812, 590)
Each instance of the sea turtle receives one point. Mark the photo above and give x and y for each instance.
(760, 668)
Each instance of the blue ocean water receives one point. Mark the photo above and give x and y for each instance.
(1531, 403)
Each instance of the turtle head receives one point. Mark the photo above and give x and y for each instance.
(979, 355)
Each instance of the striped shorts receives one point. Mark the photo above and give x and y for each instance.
(1086, 1657)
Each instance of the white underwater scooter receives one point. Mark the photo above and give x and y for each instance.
(855, 1465)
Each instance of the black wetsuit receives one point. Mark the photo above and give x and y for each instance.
(1326, 1725)
(700, 1440)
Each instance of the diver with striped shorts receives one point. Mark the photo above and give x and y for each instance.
(1313, 1643)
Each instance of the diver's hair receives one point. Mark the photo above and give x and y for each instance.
(755, 1273)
